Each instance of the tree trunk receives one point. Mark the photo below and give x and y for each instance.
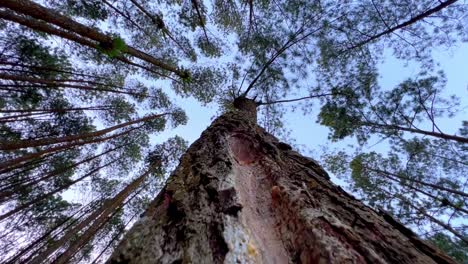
(95, 220)
(459, 139)
(8, 190)
(17, 162)
(46, 195)
(40, 68)
(428, 184)
(27, 143)
(32, 247)
(241, 196)
(58, 110)
(57, 84)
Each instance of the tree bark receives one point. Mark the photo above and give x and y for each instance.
(241, 196)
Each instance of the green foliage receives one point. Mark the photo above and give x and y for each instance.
(90, 9)
(178, 117)
(121, 110)
(159, 99)
(454, 248)
(209, 48)
(168, 154)
(402, 182)
(32, 52)
(387, 113)
(339, 119)
(203, 84)
(113, 49)
(227, 15)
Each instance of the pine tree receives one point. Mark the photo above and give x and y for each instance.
(86, 87)
(241, 195)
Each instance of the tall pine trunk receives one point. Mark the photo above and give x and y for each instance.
(241, 196)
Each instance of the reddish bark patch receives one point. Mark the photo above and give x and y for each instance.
(243, 149)
(166, 201)
(255, 194)
(275, 193)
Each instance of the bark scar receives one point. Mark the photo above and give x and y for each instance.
(244, 149)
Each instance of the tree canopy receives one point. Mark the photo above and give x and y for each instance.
(88, 87)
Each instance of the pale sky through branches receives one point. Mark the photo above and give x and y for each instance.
(305, 131)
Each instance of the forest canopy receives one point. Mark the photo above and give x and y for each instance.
(90, 89)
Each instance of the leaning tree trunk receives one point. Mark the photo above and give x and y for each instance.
(241, 196)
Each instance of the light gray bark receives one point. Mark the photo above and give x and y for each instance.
(241, 196)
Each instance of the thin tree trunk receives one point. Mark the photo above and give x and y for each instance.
(56, 84)
(13, 118)
(423, 212)
(241, 196)
(17, 162)
(92, 82)
(106, 209)
(89, 208)
(59, 110)
(88, 235)
(44, 27)
(200, 17)
(16, 187)
(12, 169)
(406, 23)
(39, 68)
(109, 244)
(159, 23)
(157, 20)
(417, 131)
(49, 141)
(37, 11)
(435, 198)
(434, 186)
(50, 233)
(29, 166)
(42, 197)
(129, 19)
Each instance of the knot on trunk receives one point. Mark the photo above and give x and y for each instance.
(247, 106)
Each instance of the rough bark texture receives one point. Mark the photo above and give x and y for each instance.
(241, 196)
